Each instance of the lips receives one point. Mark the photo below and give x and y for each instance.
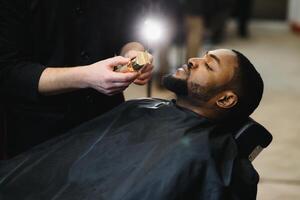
(185, 69)
(182, 72)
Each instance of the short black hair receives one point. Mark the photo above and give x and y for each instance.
(249, 88)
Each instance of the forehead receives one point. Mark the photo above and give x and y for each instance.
(226, 57)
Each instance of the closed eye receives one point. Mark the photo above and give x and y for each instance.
(208, 67)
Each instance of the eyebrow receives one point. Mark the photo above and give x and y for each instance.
(213, 56)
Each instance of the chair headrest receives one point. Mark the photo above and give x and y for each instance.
(251, 138)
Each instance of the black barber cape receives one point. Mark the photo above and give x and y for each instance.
(147, 149)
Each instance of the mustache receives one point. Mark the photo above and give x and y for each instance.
(187, 68)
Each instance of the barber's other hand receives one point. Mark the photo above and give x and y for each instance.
(101, 77)
(145, 73)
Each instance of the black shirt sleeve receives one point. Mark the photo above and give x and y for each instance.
(19, 75)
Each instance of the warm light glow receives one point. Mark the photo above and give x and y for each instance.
(153, 30)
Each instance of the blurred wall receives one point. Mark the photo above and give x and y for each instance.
(270, 9)
(294, 15)
(294, 10)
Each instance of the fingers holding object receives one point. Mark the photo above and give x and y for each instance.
(117, 60)
(124, 77)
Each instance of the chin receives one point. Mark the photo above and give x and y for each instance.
(175, 84)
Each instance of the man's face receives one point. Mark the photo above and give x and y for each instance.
(206, 75)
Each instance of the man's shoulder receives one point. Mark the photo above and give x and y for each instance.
(148, 102)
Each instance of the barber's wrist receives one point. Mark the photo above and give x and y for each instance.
(81, 77)
(56, 80)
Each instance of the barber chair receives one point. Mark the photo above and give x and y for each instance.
(251, 139)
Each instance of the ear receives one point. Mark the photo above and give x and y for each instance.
(227, 99)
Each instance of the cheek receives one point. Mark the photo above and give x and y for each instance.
(202, 79)
(192, 88)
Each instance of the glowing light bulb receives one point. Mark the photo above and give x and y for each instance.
(152, 30)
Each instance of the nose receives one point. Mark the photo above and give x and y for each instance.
(193, 63)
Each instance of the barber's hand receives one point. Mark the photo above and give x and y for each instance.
(101, 77)
(145, 73)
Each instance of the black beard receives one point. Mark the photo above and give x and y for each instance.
(197, 92)
(178, 86)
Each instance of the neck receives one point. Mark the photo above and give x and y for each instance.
(202, 109)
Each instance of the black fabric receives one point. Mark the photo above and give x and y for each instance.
(35, 34)
(144, 150)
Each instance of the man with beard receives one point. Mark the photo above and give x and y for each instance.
(153, 148)
(221, 85)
